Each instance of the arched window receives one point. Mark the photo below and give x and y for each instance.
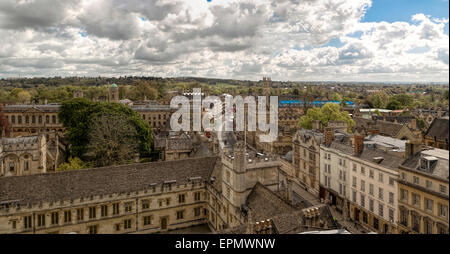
(54, 119)
(33, 119)
(27, 119)
(13, 119)
(19, 119)
(40, 119)
(47, 119)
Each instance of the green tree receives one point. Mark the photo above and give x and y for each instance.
(72, 164)
(329, 112)
(76, 116)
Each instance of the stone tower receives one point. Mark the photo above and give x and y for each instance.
(239, 167)
(113, 93)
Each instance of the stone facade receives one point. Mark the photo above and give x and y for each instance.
(423, 193)
(32, 119)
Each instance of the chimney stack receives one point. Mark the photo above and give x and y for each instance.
(358, 144)
(329, 135)
(317, 125)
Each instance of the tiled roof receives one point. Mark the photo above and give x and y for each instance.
(385, 127)
(440, 170)
(52, 187)
(439, 129)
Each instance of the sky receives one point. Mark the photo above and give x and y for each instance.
(287, 40)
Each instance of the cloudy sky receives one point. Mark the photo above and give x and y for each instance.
(342, 40)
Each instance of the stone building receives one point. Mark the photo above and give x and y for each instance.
(158, 116)
(139, 198)
(390, 129)
(437, 134)
(32, 119)
(423, 193)
(31, 154)
(306, 158)
(358, 176)
(174, 145)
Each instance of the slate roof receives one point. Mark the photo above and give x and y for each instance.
(440, 170)
(342, 143)
(438, 129)
(22, 108)
(385, 127)
(52, 187)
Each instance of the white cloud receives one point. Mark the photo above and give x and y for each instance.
(286, 39)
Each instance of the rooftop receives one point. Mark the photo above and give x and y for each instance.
(53, 187)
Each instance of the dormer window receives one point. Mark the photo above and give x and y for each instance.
(428, 163)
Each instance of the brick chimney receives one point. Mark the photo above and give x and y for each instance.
(358, 144)
(329, 135)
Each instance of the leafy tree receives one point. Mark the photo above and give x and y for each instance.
(72, 164)
(394, 104)
(112, 139)
(336, 97)
(76, 116)
(329, 112)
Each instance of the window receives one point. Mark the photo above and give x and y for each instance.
(391, 215)
(116, 209)
(27, 222)
(27, 119)
(371, 205)
(40, 119)
(429, 204)
(391, 181)
(197, 196)
(93, 229)
(363, 203)
(11, 166)
(416, 180)
(371, 189)
(14, 224)
(363, 171)
(19, 119)
(429, 184)
(197, 211)
(443, 188)
(41, 220)
(145, 204)
(181, 198)
(427, 227)
(354, 182)
(67, 216)
(47, 119)
(128, 207)
(404, 217)
(354, 167)
(404, 195)
(167, 201)
(80, 214)
(375, 223)
(371, 173)
(54, 119)
(363, 186)
(403, 176)
(365, 220)
(104, 210)
(26, 166)
(117, 227)
(443, 210)
(13, 119)
(380, 194)
(55, 218)
(180, 215)
(416, 200)
(147, 220)
(228, 176)
(33, 119)
(380, 210)
(391, 198)
(92, 211)
(380, 177)
(416, 222)
(354, 196)
(127, 224)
